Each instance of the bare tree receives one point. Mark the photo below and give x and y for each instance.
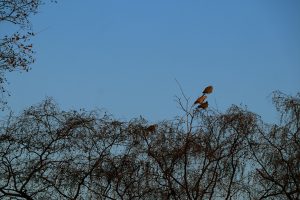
(16, 50)
(54, 154)
(47, 153)
(277, 156)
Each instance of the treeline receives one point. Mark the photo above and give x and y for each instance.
(46, 153)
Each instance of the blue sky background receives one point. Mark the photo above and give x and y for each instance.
(124, 56)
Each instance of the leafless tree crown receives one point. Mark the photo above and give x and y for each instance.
(46, 153)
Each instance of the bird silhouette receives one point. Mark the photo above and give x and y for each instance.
(151, 128)
(203, 105)
(200, 99)
(208, 90)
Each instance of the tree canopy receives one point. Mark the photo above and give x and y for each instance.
(49, 153)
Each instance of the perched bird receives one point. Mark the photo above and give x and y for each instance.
(151, 128)
(208, 90)
(203, 105)
(200, 99)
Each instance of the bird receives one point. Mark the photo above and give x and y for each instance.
(151, 128)
(200, 99)
(208, 90)
(203, 105)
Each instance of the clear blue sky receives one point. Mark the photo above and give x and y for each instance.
(124, 56)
